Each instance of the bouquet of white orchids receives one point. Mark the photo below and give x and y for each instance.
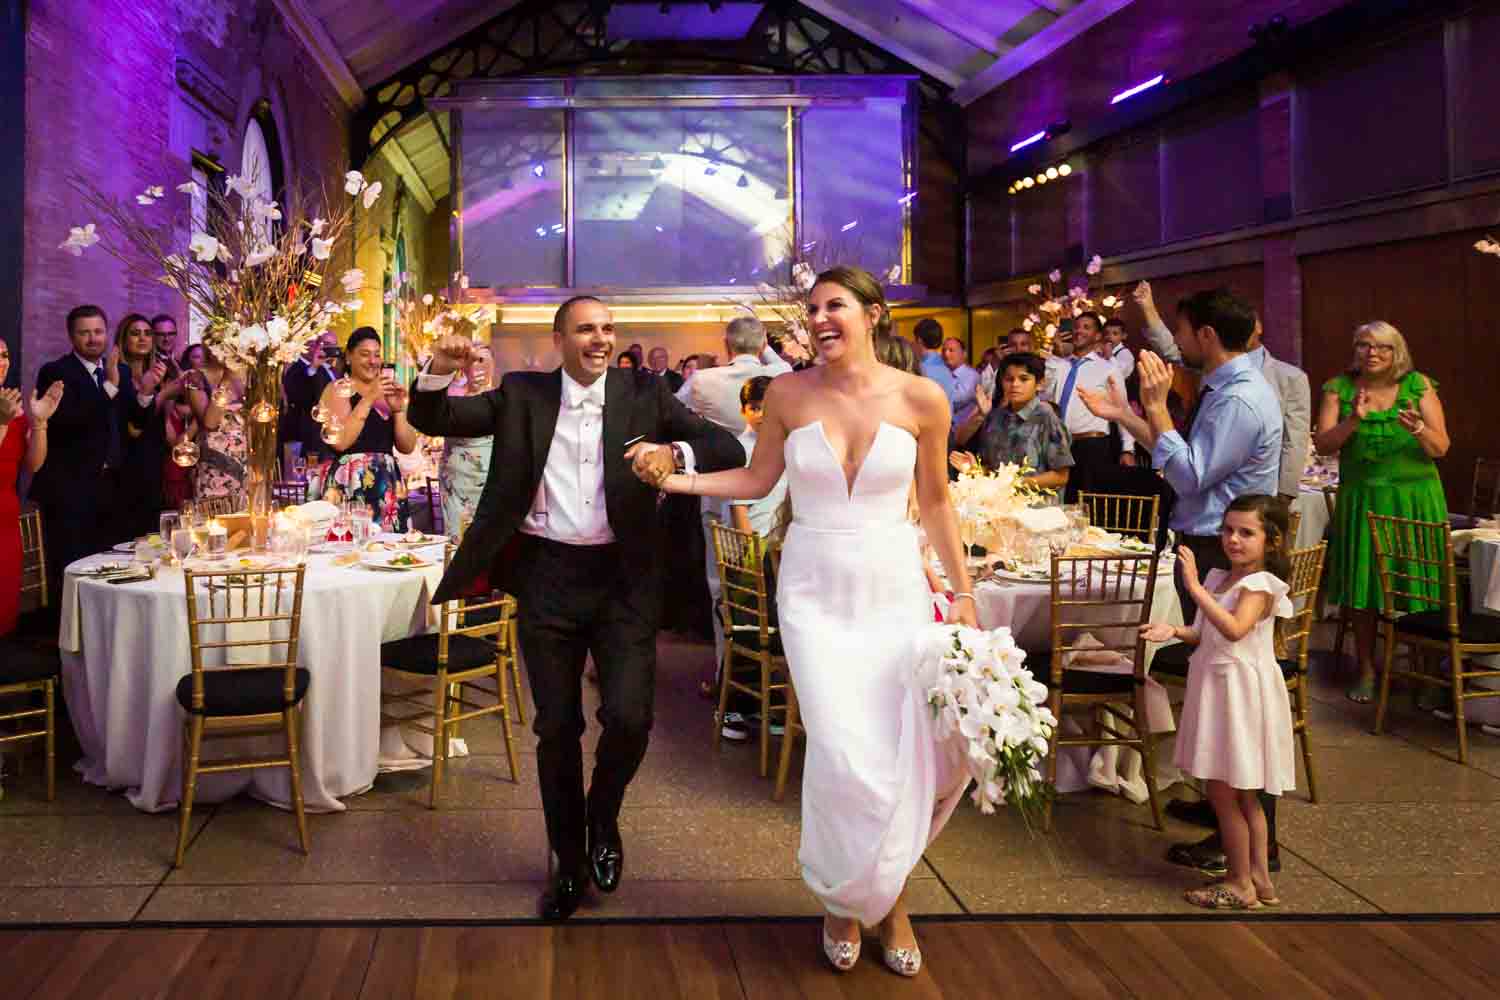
(1055, 304)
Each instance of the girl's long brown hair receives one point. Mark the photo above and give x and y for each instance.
(1276, 520)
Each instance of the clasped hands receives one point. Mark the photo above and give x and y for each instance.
(651, 463)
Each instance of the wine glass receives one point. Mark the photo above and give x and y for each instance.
(184, 544)
(319, 412)
(331, 430)
(167, 528)
(299, 467)
(185, 453)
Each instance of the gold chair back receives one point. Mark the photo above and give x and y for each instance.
(234, 599)
(740, 556)
(1122, 514)
(1294, 642)
(33, 562)
(1293, 525)
(1414, 560)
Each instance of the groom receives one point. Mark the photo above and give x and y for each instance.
(566, 526)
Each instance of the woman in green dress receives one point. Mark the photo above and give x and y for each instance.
(1386, 424)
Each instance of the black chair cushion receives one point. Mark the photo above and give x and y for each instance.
(39, 623)
(256, 691)
(418, 654)
(1289, 668)
(1172, 660)
(1472, 628)
(1094, 682)
(748, 637)
(21, 660)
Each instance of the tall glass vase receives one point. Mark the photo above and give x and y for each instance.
(262, 409)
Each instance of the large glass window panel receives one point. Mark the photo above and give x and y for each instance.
(853, 185)
(679, 196)
(512, 178)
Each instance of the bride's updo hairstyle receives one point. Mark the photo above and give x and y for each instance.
(864, 287)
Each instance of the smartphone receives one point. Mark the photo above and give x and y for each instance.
(389, 366)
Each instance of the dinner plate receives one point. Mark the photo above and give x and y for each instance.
(106, 569)
(388, 562)
(1023, 576)
(125, 547)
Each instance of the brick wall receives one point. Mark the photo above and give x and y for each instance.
(122, 92)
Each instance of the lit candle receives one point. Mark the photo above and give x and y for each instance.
(218, 537)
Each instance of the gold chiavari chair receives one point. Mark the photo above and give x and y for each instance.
(1294, 642)
(29, 664)
(217, 506)
(289, 492)
(793, 720)
(1293, 526)
(751, 637)
(1108, 597)
(236, 615)
(476, 639)
(435, 505)
(1419, 584)
(1126, 515)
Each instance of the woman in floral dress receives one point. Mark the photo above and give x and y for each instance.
(223, 443)
(466, 461)
(372, 427)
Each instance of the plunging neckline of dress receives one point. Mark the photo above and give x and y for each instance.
(851, 486)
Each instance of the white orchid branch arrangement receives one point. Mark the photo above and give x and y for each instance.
(423, 317)
(1054, 304)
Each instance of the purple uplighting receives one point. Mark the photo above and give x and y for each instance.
(1138, 88)
(1028, 141)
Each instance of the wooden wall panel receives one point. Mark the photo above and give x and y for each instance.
(1211, 172)
(1374, 125)
(938, 232)
(1041, 228)
(1445, 299)
(1476, 80)
(989, 237)
(1124, 196)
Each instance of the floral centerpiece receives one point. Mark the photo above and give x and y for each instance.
(423, 317)
(992, 713)
(995, 505)
(787, 299)
(1054, 304)
(255, 272)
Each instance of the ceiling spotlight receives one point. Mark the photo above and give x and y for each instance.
(1041, 178)
(743, 182)
(538, 169)
(1052, 173)
(1027, 182)
(1065, 170)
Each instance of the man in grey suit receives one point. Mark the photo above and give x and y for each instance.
(1289, 381)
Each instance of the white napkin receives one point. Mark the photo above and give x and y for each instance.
(1041, 520)
(1466, 536)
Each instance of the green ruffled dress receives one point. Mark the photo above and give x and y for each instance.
(1382, 468)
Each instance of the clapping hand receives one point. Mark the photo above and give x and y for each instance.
(450, 354)
(1143, 297)
(1187, 564)
(10, 404)
(651, 463)
(1362, 407)
(152, 379)
(112, 366)
(1107, 405)
(1412, 421)
(962, 461)
(44, 404)
(1156, 380)
(984, 400)
(1158, 632)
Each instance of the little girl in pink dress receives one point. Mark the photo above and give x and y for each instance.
(1236, 727)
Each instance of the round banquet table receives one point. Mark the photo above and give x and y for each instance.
(1484, 581)
(1026, 609)
(125, 646)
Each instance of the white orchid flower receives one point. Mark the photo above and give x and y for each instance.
(354, 182)
(316, 227)
(80, 238)
(204, 247)
(1096, 264)
(372, 193)
(278, 330)
(189, 188)
(321, 248)
(241, 186)
(1054, 275)
(260, 255)
(267, 211)
(1033, 289)
(352, 280)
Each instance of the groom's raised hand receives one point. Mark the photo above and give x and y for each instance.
(450, 354)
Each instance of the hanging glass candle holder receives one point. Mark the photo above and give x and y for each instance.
(319, 412)
(263, 412)
(222, 396)
(343, 388)
(185, 453)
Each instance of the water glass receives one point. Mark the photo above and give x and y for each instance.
(183, 543)
(167, 527)
(361, 523)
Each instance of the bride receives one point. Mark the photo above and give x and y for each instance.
(853, 435)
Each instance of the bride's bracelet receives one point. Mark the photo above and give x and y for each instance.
(964, 593)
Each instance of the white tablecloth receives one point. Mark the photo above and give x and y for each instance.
(1311, 504)
(1484, 581)
(125, 646)
(1026, 608)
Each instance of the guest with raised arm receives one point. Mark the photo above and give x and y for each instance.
(466, 461)
(372, 427)
(1385, 422)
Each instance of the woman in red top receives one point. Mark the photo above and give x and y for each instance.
(18, 436)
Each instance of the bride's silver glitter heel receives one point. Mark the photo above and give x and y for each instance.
(904, 961)
(842, 955)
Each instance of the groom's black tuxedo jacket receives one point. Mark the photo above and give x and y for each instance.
(521, 415)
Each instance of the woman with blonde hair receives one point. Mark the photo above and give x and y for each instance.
(1385, 422)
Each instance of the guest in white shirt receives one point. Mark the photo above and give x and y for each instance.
(1113, 348)
(1092, 449)
(989, 368)
(965, 379)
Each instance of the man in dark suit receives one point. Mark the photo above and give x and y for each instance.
(656, 364)
(76, 487)
(566, 526)
(301, 388)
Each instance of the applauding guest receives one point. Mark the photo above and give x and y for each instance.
(1385, 422)
(21, 440)
(145, 440)
(466, 461)
(77, 487)
(656, 364)
(372, 428)
(1024, 430)
(1085, 370)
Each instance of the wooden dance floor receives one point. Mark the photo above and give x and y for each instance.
(760, 959)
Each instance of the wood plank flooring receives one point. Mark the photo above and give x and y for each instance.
(760, 961)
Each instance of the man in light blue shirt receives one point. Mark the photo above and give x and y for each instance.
(965, 380)
(1233, 449)
(930, 337)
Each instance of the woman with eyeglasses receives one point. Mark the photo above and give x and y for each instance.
(1385, 422)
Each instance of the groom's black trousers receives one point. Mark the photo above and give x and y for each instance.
(577, 600)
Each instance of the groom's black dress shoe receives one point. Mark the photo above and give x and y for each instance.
(561, 900)
(606, 859)
(1207, 855)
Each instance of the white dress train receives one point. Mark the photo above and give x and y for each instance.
(877, 785)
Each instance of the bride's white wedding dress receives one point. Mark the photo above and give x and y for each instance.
(854, 603)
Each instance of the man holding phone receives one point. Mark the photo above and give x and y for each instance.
(301, 387)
